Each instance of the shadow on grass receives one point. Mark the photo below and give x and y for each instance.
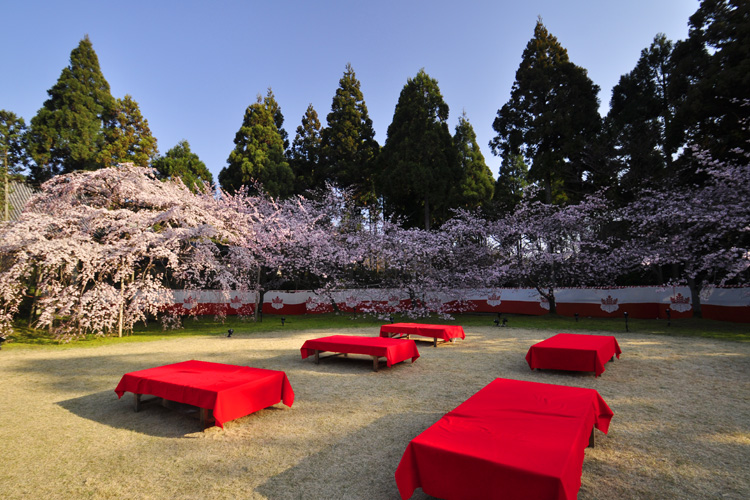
(344, 469)
(155, 418)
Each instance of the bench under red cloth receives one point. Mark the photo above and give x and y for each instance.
(231, 391)
(444, 332)
(511, 440)
(393, 350)
(574, 352)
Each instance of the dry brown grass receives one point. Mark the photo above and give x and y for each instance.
(681, 427)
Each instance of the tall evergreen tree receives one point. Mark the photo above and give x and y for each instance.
(183, 163)
(278, 117)
(640, 114)
(258, 155)
(128, 136)
(67, 132)
(477, 184)
(13, 155)
(349, 146)
(305, 153)
(711, 80)
(550, 118)
(419, 162)
(511, 181)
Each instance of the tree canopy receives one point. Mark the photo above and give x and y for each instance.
(348, 141)
(419, 163)
(67, 133)
(640, 117)
(180, 162)
(128, 137)
(258, 156)
(550, 119)
(13, 156)
(305, 154)
(477, 183)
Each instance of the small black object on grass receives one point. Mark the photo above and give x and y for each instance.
(283, 319)
(626, 321)
(230, 332)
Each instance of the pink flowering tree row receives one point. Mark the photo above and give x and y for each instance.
(98, 251)
(701, 231)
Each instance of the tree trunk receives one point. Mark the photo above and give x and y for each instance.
(427, 213)
(258, 298)
(550, 296)
(695, 296)
(122, 309)
(548, 188)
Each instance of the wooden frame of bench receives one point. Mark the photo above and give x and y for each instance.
(205, 414)
(318, 357)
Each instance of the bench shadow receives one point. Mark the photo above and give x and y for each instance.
(155, 418)
(345, 470)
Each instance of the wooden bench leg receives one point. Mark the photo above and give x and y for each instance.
(204, 417)
(592, 444)
(375, 363)
(136, 402)
(317, 357)
(434, 342)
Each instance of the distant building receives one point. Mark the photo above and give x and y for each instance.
(18, 194)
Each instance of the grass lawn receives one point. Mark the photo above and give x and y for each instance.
(680, 395)
(688, 327)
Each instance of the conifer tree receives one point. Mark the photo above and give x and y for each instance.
(511, 181)
(67, 132)
(551, 117)
(711, 82)
(305, 153)
(258, 156)
(278, 117)
(183, 163)
(477, 184)
(349, 146)
(640, 115)
(128, 136)
(13, 155)
(419, 162)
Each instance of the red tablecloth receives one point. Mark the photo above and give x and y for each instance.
(230, 391)
(576, 352)
(393, 350)
(510, 440)
(444, 332)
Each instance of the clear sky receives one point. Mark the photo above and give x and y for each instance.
(195, 66)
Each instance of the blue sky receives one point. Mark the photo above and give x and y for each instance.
(194, 67)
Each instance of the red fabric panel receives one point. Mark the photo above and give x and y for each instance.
(393, 350)
(575, 352)
(738, 314)
(511, 440)
(230, 391)
(444, 332)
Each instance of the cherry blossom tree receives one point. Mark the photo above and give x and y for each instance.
(96, 250)
(702, 231)
(546, 246)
